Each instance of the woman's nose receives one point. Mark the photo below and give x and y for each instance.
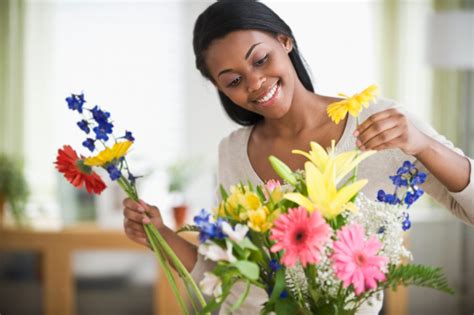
(255, 82)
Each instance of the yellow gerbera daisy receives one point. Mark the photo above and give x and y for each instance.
(338, 110)
(109, 154)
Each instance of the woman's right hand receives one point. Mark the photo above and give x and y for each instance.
(135, 215)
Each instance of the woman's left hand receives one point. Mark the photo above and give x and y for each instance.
(390, 129)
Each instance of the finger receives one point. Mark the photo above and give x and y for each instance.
(374, 130)
(133, 225)
(394, 144)
(133, 215)
(382, 138)
(372, 119)
(131, 204)
(140, 240)
(134, 234)
(151, 210)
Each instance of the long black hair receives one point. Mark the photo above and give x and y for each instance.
(226, 16)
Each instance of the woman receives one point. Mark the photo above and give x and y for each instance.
(252, 58)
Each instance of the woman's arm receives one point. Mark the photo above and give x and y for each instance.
(391, 129)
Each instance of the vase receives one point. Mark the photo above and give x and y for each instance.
(179, 214)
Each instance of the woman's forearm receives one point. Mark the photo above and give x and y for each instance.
(185, 251)
(449, 167)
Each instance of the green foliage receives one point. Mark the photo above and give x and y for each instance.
(188, 228)
(419, 275)
(180, 173)
(13, 186)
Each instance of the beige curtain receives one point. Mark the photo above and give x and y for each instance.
(453, 110)
(11, 77)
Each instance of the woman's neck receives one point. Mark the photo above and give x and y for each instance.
(307, 111)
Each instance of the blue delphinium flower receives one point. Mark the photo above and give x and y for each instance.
(411, 197)
(203, 216)
(418, 178)
(399, 180)
(89, 143)
(84, 126)
(75, 102)
(208, 230)
(275, 265)
(387, 198)
(102, 131)
(114, 172)
(406, 224)
(100, 116)
(129, 136)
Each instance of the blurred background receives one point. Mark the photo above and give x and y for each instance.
(135, 59)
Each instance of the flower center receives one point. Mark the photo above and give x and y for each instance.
(360, 259)
(300, 236)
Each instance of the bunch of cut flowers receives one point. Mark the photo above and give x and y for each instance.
(315, 244)
(109, 153)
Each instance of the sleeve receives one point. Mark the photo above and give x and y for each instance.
(461, 203)
(202, 265)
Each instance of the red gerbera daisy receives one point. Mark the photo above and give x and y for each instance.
(76, 172)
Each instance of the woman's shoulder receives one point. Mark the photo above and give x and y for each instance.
(235, 140)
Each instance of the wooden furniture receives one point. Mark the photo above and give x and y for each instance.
(56, 249)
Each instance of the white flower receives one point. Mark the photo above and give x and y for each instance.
(211, 284)
(216, 253)
(236, 235)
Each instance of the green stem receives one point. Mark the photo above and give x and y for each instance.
(159, 244)
(166, 269)
(178, 264)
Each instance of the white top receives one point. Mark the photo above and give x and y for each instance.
(235, 166)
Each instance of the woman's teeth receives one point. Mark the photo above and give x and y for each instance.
(269, 95)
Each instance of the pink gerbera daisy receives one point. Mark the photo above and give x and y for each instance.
(355, 260)
(301, 235)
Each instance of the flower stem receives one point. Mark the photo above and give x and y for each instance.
(166, 269)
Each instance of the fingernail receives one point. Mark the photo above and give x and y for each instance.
(362, 148)
(359, 144)
(146, 220)
(141, 209)
(356, 133)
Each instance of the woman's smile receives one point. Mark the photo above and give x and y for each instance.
(270, 96)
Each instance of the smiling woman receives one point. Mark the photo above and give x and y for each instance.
(251, 57)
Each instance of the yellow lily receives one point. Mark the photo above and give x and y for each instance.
(343, 163)
(261, 219)
(109, 154)
(338, 110)
(323, 194)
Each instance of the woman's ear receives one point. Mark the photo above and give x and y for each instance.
(286, 42)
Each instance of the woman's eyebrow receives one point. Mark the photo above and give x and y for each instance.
(247, 55)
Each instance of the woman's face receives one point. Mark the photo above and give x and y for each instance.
(254, 70)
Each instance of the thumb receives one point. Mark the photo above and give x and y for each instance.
(153, 213)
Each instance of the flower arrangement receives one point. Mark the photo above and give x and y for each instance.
(112, 157)
(316, 244)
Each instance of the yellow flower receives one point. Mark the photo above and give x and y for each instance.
(323, 194)
(261, 219)
(238, 203)
(338, 110)
(109, 154)
(343, 163)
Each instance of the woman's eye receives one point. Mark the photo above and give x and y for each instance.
(235, 82)
(262, 61)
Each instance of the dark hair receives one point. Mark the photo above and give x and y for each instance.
(223, 17)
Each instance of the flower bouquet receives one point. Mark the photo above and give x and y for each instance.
(111, 157)
(316, 245)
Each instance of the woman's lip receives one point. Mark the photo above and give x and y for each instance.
(275, 96)
(266, 92)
